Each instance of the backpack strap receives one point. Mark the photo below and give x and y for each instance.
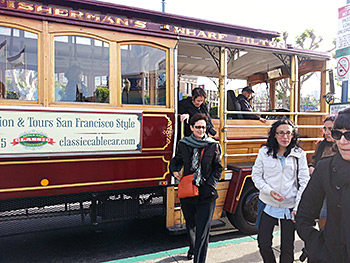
(297, 171)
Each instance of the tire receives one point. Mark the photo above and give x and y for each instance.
(245, 216)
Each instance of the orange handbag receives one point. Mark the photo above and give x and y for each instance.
(186, 188)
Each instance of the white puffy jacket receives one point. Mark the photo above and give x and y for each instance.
(268, 175)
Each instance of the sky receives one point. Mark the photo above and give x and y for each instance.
(293, 17)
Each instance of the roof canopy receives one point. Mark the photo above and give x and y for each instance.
(251, 51)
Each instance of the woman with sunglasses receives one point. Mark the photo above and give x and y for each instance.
(324, 148)
(280, 174)
(200, 155)
(331, 181)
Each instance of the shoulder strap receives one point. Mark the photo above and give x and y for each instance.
(297, 171)
(201, 154)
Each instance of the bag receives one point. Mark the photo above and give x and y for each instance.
(186, 188)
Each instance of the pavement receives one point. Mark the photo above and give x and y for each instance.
(237, 250)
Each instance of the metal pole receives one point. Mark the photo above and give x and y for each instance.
(344, 91)
(163, 6)
(222, 106)
(293, 83)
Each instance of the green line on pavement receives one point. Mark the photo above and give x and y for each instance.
(150, 256)
(231, 241)
(182, 250)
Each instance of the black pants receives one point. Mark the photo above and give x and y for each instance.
(265, 231)
(198, 220)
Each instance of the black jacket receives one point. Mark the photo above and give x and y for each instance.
(186, 106)
(330, 180)
(210, 167)
(245, 106)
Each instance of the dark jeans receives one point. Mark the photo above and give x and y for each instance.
(265, 231)
(198, 220)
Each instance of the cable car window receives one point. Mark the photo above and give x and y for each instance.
(18, 64)
(81, 70)
(143, 75)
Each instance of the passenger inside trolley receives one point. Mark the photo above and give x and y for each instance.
(244, 100)
(86, 79)
(75, 89)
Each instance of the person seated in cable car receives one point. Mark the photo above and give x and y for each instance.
(75, 89)
(244, 101)
(133, 91)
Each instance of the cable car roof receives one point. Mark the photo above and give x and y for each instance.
(251, 51)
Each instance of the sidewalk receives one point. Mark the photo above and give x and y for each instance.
(239, 250)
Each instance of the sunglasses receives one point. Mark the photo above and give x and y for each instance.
(200, 127)
(336, 135)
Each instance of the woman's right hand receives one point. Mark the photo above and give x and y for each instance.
(311, 170)
(177, 175)
(184, 117)
(277, 196)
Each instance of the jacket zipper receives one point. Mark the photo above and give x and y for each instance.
(280, 190)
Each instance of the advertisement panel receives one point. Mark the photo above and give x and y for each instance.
(51, 131)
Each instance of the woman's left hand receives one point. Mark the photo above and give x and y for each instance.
(292, 214)
(177, 175)
(184, 117)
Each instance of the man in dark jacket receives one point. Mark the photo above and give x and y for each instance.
(244, 100)
(192, 105)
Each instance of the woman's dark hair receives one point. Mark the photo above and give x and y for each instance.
(329, 118)
(198, 92)
(342, 121)
(272, 143)
(198, 117)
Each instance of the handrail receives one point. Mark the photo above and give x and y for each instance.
(268, 126)
(252, 154)
(277, 113)
(264, 140)
(240, 154)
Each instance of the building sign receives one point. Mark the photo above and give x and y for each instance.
(78, 15)
(28, 132)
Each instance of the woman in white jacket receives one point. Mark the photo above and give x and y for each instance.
(281, 174)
